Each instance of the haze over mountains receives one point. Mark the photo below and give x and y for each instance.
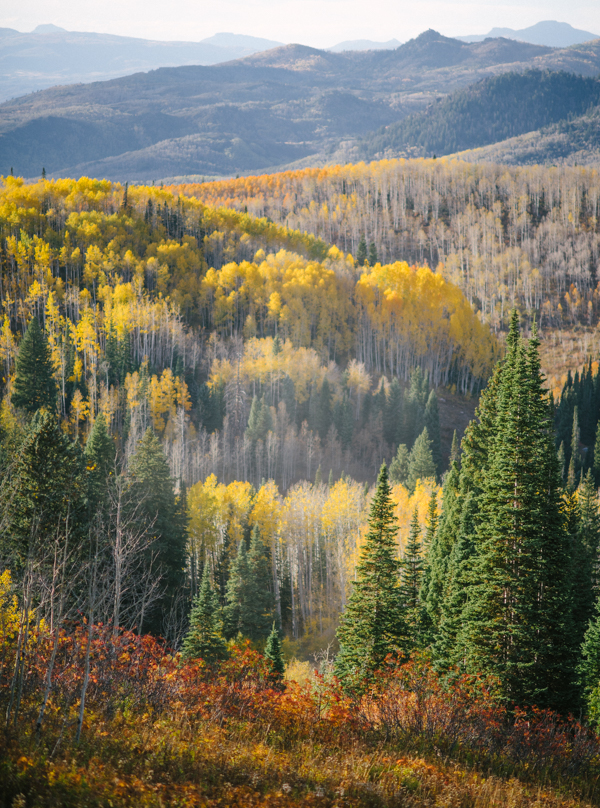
(290, 105)
(50, 55)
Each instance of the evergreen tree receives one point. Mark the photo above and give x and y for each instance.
(34, 386)
(561, 460)
(399, 465)
(330, 481)
(324, 414)
(152, 487)
(411, 581)
(589, 668)
(420, 462)
(344, 421)
(236, 596)
(432, 423)
(448, 646)
(372, 624)
(204, 639)
(392, 416)
(275, 656)
(517, 622)
(588, 523)
(361, 253)
(318, 478)
(258, 606)
(100, 453)
(372, 254)
(439, 548)
(45, 492)
(454, 449)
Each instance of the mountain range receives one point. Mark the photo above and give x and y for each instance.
(50, 55)
(264, 111)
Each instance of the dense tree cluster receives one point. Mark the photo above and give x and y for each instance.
(504, 235)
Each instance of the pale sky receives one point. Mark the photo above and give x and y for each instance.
(320, 23)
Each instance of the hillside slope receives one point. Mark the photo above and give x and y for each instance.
(495, 109)
(269, 109)
(44, 58)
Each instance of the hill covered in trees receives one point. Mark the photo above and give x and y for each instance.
(490, 111)
(265, 110)
(196, 403)
(525, 235)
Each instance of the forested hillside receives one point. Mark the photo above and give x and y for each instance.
(196, 404)
(253, 114)
(503, 235)
(493, 110)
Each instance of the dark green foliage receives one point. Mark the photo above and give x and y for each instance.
(392, 416)
(432, 422)
(454, 449)
(259, 607)
(589, 668)
(34, 384)
(439, 547)
(448, 646)
(250, 603)
(259, 420)
(236, 595)
(399, 465)
(100, 453)
(361, 253)
(372, 254)
(44, 498)
(415, 401)
(275, 656)
(411, 581)
(372, 625)
(510, 630)
(420, 462)
(497, 108)
(343, 419)
(204, 639)
(152, 487)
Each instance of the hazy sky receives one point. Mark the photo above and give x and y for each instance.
(320, 23)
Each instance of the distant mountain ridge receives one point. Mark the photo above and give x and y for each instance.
(51, 56)
(259, 113)
(548, 32)
(485, 113)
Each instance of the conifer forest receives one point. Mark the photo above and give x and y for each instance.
(299, 484)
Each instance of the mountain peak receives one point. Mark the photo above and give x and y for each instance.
(48, 28)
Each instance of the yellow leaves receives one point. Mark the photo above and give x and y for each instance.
(80, 410)
(9, 611)
(266, 511)
(215, 509)
(166, 394)
(405, 504)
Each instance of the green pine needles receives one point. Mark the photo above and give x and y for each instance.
(373, 624)
(204, 639)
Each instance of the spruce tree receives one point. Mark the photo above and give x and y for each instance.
(372, 254)
(100, 452)
(259, 606)
(399, 465)
(455, 449)
(274, 655)
(517, 623)
(204, 639)
(324, 414)
(421, 465)
(392, 415)
(361, 253)
(157, 509)
(236, 596)
(372, 625)
(34, 386)
(432, 422)
(45, 494)
(411, 581)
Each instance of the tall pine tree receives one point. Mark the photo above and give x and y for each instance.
(34, 386)
(372, 625)
(204, 639)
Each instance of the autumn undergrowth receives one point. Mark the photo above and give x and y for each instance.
(157, 732)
